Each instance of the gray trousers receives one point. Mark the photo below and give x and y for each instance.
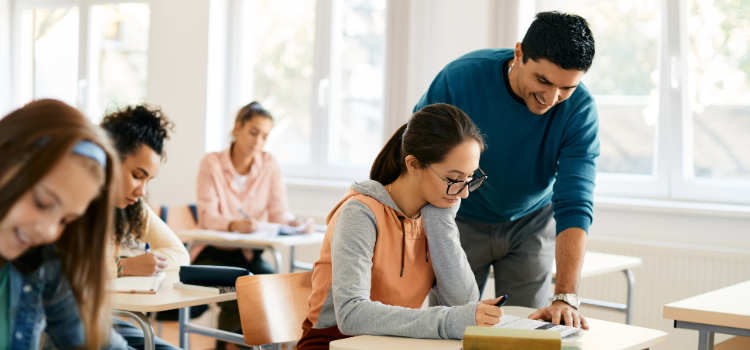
(521, 252)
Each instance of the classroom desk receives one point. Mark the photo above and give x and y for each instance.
(135, 306)
(603, 335)
(218, 238)
(724, 311)
(595, 264)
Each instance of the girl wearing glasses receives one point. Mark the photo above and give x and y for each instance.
(393, 238)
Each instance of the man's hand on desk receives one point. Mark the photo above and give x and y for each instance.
(243, 226)
(560, 310)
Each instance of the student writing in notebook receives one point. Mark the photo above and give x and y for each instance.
(57, 173)
(236, 189)
(138, 133)
(393, 238)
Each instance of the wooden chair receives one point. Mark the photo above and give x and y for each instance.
(180, 217)
(735, 343)
(273, 307)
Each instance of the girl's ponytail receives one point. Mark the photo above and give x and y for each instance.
(387, 165)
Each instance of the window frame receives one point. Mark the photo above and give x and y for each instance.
(83, 94)
(321, 97)
(673, 176)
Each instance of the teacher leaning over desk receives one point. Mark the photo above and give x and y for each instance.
(541, 127)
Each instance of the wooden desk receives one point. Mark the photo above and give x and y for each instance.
(136, 305)
(725, 310)
(595, 264)
(603, 335)
(219, 238)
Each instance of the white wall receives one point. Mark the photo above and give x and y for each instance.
(5, 43)
(177, 80)
(441, 31)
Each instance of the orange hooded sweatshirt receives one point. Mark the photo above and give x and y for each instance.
(377, 266)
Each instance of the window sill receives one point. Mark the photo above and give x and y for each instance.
(662, 206)
(312, 183)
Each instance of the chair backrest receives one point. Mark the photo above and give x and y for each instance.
(180, 217)
(273, 307)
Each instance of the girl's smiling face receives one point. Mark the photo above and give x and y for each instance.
(40, 215)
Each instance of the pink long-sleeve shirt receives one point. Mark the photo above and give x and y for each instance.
(220, 200)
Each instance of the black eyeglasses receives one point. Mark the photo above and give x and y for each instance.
(455, 187)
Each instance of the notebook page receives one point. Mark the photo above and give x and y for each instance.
(136, 284)
(513, 322)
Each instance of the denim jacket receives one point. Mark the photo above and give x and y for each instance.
(43, 302)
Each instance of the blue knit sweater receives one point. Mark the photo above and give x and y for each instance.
(531, 159)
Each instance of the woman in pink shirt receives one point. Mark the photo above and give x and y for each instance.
(238, 188)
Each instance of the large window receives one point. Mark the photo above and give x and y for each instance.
(318, 67)
(670, 80)
(92, 55)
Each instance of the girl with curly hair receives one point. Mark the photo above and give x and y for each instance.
(138, 133)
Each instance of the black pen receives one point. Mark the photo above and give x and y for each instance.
(502, 301)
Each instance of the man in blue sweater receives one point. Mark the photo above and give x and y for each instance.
(541, 128)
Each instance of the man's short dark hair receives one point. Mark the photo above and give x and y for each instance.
(561, 38)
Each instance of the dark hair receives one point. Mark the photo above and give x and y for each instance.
(81, 248)
(429, 136)
(131, 128)
(561, 38)
(251, 110)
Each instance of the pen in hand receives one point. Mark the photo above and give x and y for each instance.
(148, 248)
(502, 301)
(244, 215)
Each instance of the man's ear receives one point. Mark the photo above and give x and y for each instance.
(413, 165)
(517, 54)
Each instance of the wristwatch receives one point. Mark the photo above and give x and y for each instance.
(569, 298)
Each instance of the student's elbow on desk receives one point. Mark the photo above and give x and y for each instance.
(345, 319)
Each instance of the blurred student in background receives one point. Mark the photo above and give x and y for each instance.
(138, 133)
(237, 189)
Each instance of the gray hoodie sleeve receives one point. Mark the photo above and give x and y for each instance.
(455, 283)
(352, 249)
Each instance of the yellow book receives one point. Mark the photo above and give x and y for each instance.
(488, 338)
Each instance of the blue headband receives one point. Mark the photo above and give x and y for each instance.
(91, 150)
(84, 148)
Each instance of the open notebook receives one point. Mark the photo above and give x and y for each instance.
(567, 333)
(137, 284)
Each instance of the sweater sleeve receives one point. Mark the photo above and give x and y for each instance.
(352, 249)
(438, 92)
(208, 198)
(573, 198)
(164, 241)
(455, 283)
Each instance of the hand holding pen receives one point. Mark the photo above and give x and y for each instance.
(147, 264)
(247, 225)
(489, 312)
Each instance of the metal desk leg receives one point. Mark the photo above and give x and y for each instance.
(631, 294)
(184, 317)
(705, 340)
(291, 259)
(143, 322)
(277, 259)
